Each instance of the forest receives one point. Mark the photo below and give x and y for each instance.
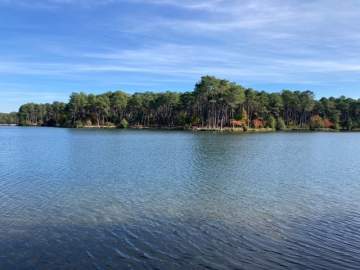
(8, 118)
(213, 104)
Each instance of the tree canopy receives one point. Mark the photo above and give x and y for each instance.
(8, 118)
(214, 103)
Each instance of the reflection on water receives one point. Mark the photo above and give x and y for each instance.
(110, 199)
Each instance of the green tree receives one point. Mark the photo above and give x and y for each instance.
(280, 124)
(214, 103)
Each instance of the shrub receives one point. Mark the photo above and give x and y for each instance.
(124, 123)
(328, 123)
(271, 122)
(258, 123)
(349, 124)
(316, 122)
(88, 122)
(78, 124)
(280, 124)
(195, 121)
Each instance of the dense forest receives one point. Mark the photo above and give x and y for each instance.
(8, 118)
(214, 104)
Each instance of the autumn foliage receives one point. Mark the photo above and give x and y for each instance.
(316, 121)
(238, 123)
(328, 123)
(258, 123)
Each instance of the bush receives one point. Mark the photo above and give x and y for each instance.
(258, 123)
(316, 122)
(349, 124)
(328, 123)
(78, 124)
(88, 123)
(124, 123)
(184, 120)
(108, 124)
(271, 122)
(195, 121)
(280, 124)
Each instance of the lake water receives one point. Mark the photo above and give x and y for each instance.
(112, 199)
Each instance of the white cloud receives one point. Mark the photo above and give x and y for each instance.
(258, 41)
(184, 61)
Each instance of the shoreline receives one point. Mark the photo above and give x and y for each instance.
(195, 129)
(9, 125)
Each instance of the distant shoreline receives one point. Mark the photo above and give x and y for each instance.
(196, 129)
(214, 105)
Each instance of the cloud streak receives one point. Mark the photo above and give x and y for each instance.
(169, 43)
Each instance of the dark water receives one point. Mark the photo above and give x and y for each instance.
(109, 199)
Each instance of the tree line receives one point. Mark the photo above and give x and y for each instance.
(8, 118)
(213, 104)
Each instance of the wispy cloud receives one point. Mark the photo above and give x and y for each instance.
(182, 60)
(209, 5)
(170, 43)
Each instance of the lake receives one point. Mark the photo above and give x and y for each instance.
(141, 199)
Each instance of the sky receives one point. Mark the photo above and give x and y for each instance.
(51, 48)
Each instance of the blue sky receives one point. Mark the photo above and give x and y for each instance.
(50, 48)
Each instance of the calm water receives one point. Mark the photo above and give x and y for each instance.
(110, 199)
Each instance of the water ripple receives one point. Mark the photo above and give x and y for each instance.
(98, 199)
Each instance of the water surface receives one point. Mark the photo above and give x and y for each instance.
(112, 199)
